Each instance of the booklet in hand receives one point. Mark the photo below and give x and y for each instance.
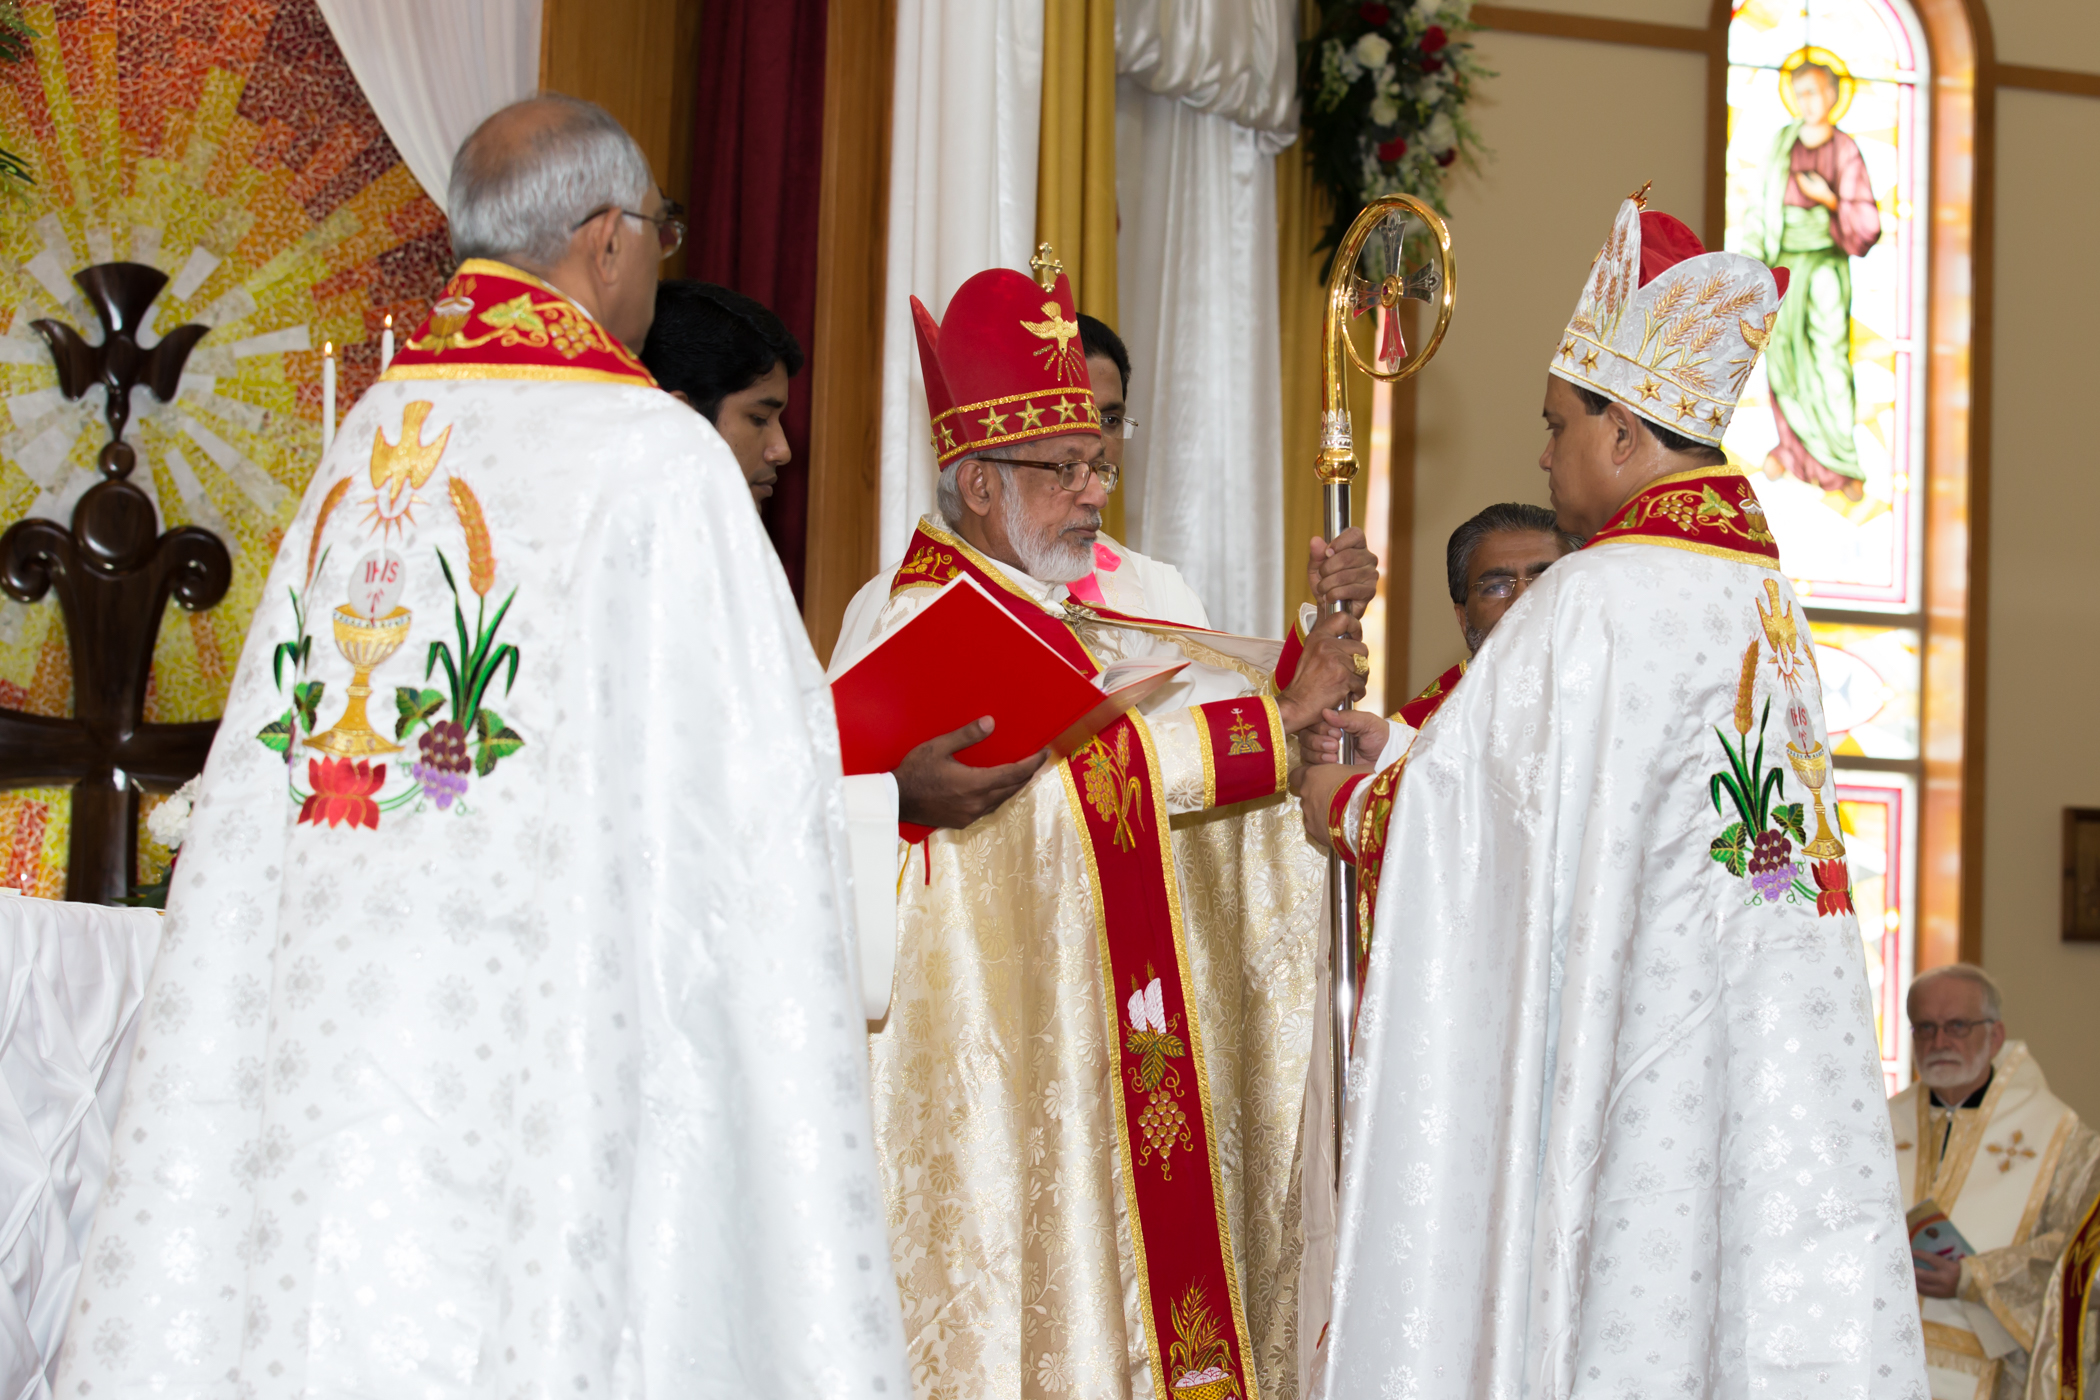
(963, 657)
(1932, 1233)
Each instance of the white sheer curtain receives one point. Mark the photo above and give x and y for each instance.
(964, 129)
(1206, 97)
(432, 69)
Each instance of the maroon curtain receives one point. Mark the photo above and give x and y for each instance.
(757, 150)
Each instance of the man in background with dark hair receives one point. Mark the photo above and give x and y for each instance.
(730, 358)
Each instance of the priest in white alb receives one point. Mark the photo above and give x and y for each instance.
(1090, 1083)
(505, 1041)
(1616, 1122)
(1981, 1140)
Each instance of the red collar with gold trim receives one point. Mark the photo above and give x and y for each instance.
(496, 322)
(1416, 712)
(934, 557)
(1709, 511)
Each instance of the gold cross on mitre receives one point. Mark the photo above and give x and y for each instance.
(1045, 266)
(1640, 196)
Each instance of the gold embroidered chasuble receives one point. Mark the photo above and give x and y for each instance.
(2015, 1175)
(993, 1076)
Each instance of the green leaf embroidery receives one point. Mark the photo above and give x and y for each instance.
(276, 736)
(415, 708)
(306, 699)
(493, 741)
(1789, 819)
(1732, 849)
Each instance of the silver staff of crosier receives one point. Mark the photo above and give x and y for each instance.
(1370, 275)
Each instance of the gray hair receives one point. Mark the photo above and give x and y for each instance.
(1510, 515)
(947, 496)
(523, 199)
(1993, 999)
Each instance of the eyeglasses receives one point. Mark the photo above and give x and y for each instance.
(1923, 1031)
(1072, 476)
(1505, 585)
(1114, 424)
(670, 224)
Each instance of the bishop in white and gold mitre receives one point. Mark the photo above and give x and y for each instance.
(1667, 328)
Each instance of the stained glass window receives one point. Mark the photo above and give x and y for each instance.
(1826, 176)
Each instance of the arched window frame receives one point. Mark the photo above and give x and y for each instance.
(1945, 920)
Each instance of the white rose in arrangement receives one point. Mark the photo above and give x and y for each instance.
(1372, 50)
(1384, 110)
(169, 823)
(1440, 134)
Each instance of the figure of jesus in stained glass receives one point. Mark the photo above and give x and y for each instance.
(1817, 213)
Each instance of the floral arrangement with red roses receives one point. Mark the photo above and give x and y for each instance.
(1383, 89)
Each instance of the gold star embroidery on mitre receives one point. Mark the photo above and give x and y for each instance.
(1064, 411)
(994, 421)
(1032, 416)
(1713, 416)
(947, 443)
(1589, 361)
(1648, 388)
(1686, 408)
(1567, 349)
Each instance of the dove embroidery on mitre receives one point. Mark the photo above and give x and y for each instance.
(400, 467)
(1059, 355)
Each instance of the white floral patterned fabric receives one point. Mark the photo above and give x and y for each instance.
(1616, 1125)
(533, 1065)
(75, 978)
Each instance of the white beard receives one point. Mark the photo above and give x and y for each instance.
(1953, 1073)
(1046, 554)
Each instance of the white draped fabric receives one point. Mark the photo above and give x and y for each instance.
(966, 110)
(75, 977)
(432, 69)
(1616, 1125)
(1207, 94)
(556, 1084)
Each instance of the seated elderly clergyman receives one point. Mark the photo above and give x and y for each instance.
(1980, 1137)
(506, 1040)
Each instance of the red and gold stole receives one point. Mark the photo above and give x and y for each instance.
(1710, 510)
(1195, 1325)
(497, 322)
(1368, 856)
(2081, 1262)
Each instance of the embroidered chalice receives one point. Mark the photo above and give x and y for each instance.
(368, 629)
(1813, 769)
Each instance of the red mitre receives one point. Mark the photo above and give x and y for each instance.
(1006, 366)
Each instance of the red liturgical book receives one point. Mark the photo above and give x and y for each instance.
(961, 658)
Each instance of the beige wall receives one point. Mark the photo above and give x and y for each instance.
(2043, 712)
(1572, 129)
(1572, 126)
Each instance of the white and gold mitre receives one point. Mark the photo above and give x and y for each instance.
(1667, 328)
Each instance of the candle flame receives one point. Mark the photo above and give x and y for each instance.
(327, 349)
(389, 322)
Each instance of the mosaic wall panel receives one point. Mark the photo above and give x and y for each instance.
(225, 142)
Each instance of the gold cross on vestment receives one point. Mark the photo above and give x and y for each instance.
(1045, 266)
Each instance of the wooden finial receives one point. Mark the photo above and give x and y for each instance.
(1045, 266)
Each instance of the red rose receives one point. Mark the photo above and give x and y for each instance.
(343, 791)
(1833, 887)
(1392, 150)
(1433, 38)
(1447, 157)
(1377, 16)
(1432, 65)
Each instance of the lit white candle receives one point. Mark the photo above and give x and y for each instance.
(327, 394)
(386, 342)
